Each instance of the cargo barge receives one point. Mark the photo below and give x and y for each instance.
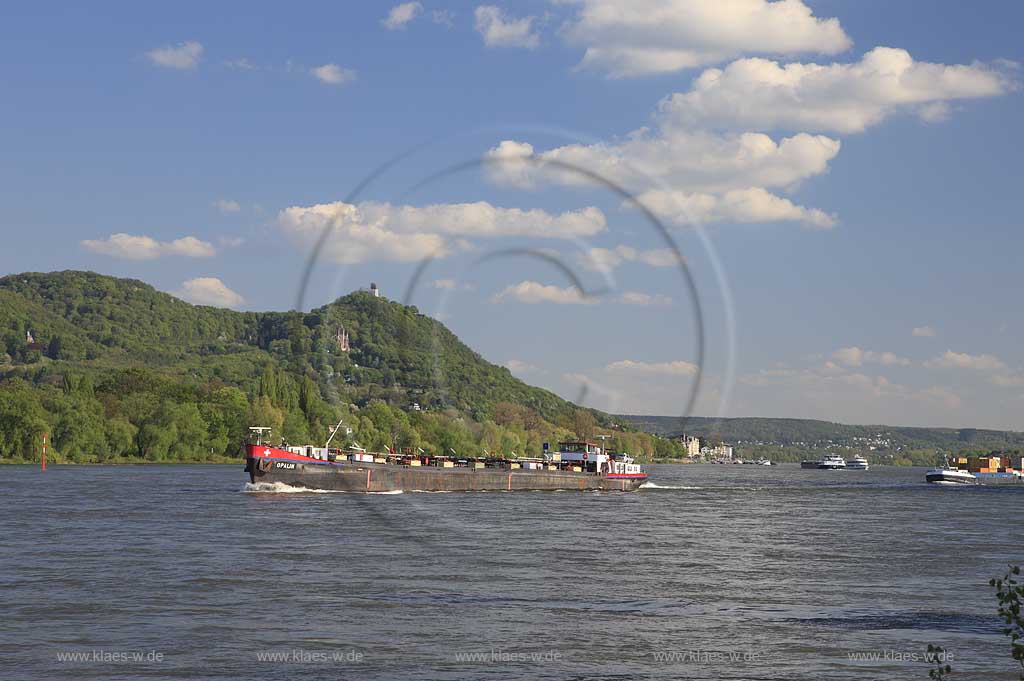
(576, 466)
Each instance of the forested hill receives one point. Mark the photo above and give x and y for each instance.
(116, 369)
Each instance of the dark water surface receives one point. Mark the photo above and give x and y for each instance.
(730, 572)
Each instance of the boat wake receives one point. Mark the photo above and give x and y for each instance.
(654, 485)
(281, 488)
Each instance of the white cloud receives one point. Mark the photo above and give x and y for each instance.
(400, 15)
(230, 241)
(332, 74)
(1008, 380)
(759, 94)
(227, 206)
(131, 247)
(240, 64)
(962, 360)
(382, 231)
(643, 37)
(517, 366)
(677, 368)
(443, 17)
(638, 387)
(532, 293)
(500, 30)
(685, 160)
(643, 299)
(923, 332)
(607, 259)
(750, 205)
(855, 357)
(183, 56)
(451, 285)
(209, 291)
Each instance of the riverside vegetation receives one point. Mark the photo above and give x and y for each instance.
(117, 371)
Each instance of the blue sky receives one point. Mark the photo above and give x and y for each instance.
(841, 178)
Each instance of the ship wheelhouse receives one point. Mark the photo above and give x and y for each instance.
(592, 458)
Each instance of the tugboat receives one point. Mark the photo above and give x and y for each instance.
(576, 466)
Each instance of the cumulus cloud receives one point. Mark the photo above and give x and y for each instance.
(209, 291)
(183, 56)
(676, 368)
(534, 293)
(923, 332)
(644, 37)
(759, 94)
(855, 357)
(636, 387)
(240, 64)
(332, 74)
(517, 366)
(400, 15)
(607, 259)
(382, 231)
(1008, 379)
(685, 160)
(132, 247)
(750, 205)
(443, 17)
(500, 30)
(227, 206)
(451, 285)
(963, 360)
(643, 299)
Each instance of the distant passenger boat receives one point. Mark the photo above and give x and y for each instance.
(857, 463)
(832, 463)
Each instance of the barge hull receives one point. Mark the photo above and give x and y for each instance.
(369, 477)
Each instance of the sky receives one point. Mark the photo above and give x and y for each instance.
(800, 208)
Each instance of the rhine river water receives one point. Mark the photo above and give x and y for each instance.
(722, 572)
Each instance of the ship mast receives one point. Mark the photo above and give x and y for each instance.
(334, 431)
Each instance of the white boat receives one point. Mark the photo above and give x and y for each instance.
(857, 463)
(764, 462)
(950, 476)
(832, 462)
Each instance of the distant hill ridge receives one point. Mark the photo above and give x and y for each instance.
(815, 434)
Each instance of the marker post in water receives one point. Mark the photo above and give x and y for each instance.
(44, 452)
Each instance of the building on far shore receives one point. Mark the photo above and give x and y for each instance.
(692, 445)
(719, 453)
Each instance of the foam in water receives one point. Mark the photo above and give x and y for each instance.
(654, 485)
(282, 488)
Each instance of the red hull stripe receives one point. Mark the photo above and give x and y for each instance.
(281, 454)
